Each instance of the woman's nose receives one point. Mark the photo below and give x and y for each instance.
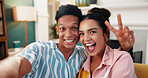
(86, 37)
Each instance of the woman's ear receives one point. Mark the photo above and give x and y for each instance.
(57, 30)
(105, 38)
(106, 35)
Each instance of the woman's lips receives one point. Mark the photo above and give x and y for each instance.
(91, 47)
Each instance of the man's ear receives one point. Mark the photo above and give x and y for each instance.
(57, 30)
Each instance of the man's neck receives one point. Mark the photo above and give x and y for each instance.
(66, 52)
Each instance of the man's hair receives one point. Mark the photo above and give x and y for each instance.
(68, 10)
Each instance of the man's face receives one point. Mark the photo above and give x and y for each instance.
(67, 29)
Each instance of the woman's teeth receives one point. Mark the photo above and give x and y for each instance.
(91, 47)
(90, 44)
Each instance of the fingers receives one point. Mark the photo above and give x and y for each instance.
(132, 35)
(119, 22)
(129, 37)
(110, 27)
(132, 38)
(126, 31)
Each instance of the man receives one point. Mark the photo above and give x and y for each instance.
(48, 59)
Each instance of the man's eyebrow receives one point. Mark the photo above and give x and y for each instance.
(75, 23)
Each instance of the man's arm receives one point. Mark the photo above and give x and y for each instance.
(14, 67)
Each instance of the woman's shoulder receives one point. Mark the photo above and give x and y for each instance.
(116, 54)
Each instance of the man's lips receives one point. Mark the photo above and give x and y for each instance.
(69, 41)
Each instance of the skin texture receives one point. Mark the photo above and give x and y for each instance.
(67, 30)
(14, 67)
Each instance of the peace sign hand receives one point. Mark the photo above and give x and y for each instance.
(124, 35)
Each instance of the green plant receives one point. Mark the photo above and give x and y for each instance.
(53, 28)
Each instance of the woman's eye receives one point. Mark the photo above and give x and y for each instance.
(81, 34)
(92, 32)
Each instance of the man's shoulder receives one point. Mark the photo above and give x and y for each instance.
(41, 44)
(79, 47)
(82, 51)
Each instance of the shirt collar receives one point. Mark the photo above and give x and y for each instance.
(53, 44)
(86, 64)
(108, 56)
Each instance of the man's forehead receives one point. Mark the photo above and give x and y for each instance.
(68, 19)
(72, 17)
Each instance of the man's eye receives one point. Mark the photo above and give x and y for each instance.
(81, 34)
(74, 28)
(92, 32)
(62, 29)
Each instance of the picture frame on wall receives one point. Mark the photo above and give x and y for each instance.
(93, 1)
(1, 21)
(1, 28)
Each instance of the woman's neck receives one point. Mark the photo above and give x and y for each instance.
(96, 60)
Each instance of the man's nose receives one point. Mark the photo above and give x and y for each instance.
(68, 33)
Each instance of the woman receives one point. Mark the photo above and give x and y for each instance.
(102, 62)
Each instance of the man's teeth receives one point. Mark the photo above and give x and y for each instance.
(89, 44)
(69, 40)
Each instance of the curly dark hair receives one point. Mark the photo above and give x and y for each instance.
(68, 10)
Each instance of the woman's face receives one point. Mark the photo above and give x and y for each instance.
(91, 37)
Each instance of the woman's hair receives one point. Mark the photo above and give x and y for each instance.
(68, 10)
(100, 15)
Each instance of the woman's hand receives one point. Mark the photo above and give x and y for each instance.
(124, 35)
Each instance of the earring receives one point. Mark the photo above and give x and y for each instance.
(106, 39)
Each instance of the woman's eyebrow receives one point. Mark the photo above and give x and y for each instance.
(80, 31)
(89, 29)
(92, 29)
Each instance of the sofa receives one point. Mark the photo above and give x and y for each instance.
(141, 70)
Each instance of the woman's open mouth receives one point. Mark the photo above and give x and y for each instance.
(91, 47)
